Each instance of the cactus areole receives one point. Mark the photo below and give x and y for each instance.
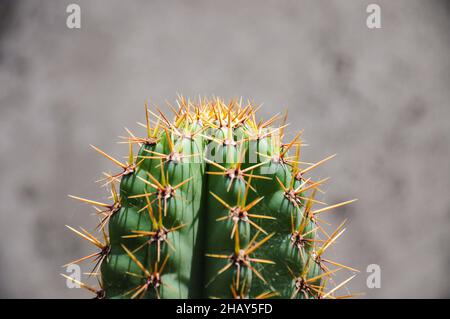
(215, 204)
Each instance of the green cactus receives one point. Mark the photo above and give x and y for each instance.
(216, 205)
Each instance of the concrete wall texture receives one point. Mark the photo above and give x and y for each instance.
(378, 98)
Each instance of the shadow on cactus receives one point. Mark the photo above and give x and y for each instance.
(214, 205)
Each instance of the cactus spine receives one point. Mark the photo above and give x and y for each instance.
(214, 204)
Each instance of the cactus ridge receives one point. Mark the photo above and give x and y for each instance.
(215, 204)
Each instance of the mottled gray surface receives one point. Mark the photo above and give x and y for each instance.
(379, 98)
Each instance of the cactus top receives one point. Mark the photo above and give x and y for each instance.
(214, 204)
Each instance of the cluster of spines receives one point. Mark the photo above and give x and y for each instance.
(273, 188)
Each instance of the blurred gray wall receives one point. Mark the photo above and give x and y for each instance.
(378, 98)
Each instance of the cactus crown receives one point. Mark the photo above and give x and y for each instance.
(214, 204)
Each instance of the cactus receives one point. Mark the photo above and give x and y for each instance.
(216, 205)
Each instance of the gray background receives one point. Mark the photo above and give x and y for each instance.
(378, 98)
